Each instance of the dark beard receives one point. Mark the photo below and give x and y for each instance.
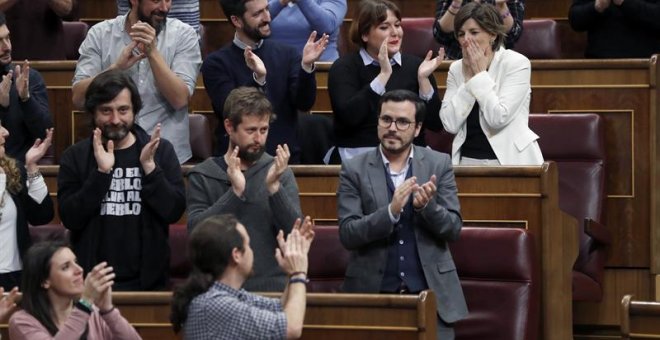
(249, 156)
(150, 20)
(115, 132)
(254, 34)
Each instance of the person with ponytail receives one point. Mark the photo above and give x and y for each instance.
(23, 199)
(211, 303)
(58, 304)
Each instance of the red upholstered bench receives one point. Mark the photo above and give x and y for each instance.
(499, 274)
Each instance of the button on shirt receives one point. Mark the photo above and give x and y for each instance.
(178, 45)
(223, 312)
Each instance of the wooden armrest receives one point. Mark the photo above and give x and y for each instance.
(598, 231)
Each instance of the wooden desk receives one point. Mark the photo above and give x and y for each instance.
(640, 319)
(328, 316)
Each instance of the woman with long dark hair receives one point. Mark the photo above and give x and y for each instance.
(23, 199)
(59, 304)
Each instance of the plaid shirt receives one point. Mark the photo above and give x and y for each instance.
(226, 313)
(448, 40)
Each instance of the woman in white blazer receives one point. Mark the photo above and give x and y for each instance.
(486, 104)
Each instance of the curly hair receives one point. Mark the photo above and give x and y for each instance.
(8, 164)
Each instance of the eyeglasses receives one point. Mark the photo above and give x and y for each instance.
(401, 124)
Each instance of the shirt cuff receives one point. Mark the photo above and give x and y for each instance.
(392, 218)
(426, 96)
(37, 189)
(311, 70)
(254, 76)
(377, 87)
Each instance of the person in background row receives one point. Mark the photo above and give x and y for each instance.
(212, 304)
(294, 20)
(23, 199)
(23, 99)
(398, 209)
(161, 55)
(512, 13)
(185, 10)
(357, 81)
(120, 189)
(279, 70)
(256, 187)
(486, 103)
(36, 27)
(618, 28)
(59, 303)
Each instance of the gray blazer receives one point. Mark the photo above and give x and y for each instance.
(364, 227)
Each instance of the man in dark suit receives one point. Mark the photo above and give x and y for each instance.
(397, 209)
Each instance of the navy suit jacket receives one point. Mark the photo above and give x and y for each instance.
(365, 226)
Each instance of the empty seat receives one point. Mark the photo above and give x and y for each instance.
(539, 39)
(201, 138)
(74, 34)
(328, 260)
(418, 36)
(576, 143)
(499, 275)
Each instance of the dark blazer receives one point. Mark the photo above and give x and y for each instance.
(364, 226)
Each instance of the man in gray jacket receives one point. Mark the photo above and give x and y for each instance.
(398, 208)
(257, 188)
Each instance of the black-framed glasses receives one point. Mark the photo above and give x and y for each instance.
(401, 124)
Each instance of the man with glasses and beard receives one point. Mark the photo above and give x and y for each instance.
(160, 54)
(119, 189)
(279, 70)
(257, 188)
(398, 208)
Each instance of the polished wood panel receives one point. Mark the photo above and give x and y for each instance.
(640, 319)
(327, 316)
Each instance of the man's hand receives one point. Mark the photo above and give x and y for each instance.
(291, 255)
(37, 151)
(425, 193)
(7, 303)
(128, 56)
(234, 173)
(280, 163)
(306, 229)
(313, 50)
(617, 2)
(255, 64)
(429, 65)
(23, 80)
(149, 151)
(402, 195)
(5, 87)
(105, 160)
(145, 36)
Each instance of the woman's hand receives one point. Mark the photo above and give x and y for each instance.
(7, 303)
(98, 284)
(37, 151)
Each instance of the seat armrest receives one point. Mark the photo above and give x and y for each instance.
(597, 231)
